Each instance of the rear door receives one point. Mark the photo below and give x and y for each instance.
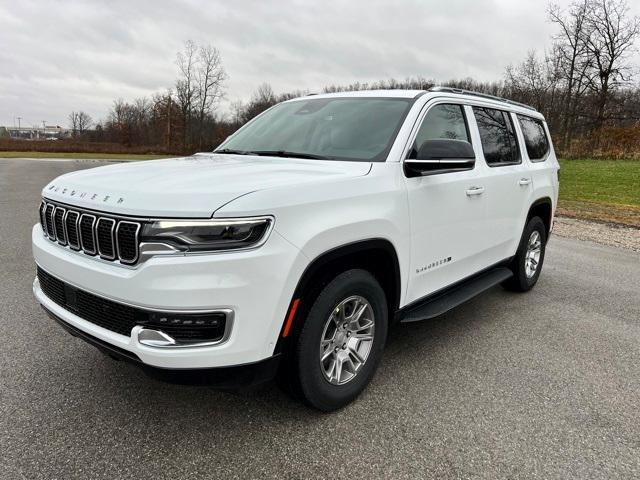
(447, 210)
(508, 182)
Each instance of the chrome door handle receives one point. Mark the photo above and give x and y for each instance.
(524, 181)
(475, 191)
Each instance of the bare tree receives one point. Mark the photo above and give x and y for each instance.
(73, 123)
(573, 62)
(84, 122)
(186, 84)
(533, 81)
(210, 76)
(79, 122)
(609, 41)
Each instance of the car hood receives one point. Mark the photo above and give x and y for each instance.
(188, 187)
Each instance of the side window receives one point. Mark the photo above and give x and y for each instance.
(444, 121)
(499, 142)
(535, 138)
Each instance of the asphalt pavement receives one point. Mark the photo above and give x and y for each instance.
(538, 385)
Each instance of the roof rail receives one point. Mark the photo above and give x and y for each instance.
(478, 94)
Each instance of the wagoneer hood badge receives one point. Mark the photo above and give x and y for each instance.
(188, 187)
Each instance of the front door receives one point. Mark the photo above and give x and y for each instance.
(447, 210)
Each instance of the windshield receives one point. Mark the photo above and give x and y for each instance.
(360, 129)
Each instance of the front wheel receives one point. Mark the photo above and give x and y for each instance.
(527, 263)
(341, 342)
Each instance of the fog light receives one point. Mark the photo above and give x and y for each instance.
(173, 329)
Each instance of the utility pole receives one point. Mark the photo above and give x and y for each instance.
(19, 118)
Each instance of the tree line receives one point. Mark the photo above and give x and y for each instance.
(582, 83)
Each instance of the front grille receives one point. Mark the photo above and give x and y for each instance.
(87, 236)
(104, 237)
(58, 219)
(93, 234)
(48, 215)
(120, 318)
(71, 224)
(127, 241)
(100, 311)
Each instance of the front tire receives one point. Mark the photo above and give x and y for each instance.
(342, 340)
(527, 263)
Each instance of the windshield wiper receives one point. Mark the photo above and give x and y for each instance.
(230, 151)
(285, 153)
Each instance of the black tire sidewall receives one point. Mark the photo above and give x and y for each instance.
(316, 390)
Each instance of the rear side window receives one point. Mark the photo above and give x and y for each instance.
(535, 138)
(499, 142)
(444, 121)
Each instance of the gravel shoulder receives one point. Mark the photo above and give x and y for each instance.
(610, 234)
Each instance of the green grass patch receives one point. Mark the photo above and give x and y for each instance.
(606, 190)
(89, 156)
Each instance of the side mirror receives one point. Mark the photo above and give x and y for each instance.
(439, 156)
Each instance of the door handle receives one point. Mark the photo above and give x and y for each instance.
(475, 191)
(524, 181)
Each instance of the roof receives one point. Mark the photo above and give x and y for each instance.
(498, 101)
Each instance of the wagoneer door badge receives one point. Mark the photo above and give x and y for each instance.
(433, 265)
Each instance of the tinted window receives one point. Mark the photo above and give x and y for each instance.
(333, 128)
(442, 121)
(535, 138)
(499, 142)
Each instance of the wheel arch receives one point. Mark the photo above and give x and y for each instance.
(377, 256)
(543, 208)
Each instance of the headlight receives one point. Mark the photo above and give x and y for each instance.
(208, 235)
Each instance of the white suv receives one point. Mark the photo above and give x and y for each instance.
(291, 249)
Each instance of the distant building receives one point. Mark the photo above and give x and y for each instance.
(48, 132)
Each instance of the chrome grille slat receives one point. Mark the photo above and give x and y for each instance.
(127, 241)
(104, 229)
(71, 225)
(112, 238)
(43, 216)
(87, 235)
(58, 222)
(51, 231)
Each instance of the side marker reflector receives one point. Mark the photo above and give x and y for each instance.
(290, 317)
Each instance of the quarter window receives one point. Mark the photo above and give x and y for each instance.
(499, 142)
(444, 121)
(535, 138)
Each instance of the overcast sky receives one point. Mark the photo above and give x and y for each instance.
(59, 56)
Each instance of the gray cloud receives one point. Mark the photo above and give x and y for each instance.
(59, 56)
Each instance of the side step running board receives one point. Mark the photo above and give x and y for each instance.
(445, 300)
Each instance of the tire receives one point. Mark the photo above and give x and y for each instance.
(523, 279)
(316, 383)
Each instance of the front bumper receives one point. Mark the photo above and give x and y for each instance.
(256, 285)
(234, 377)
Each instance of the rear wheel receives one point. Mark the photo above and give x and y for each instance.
(341, 342)
(527, 263)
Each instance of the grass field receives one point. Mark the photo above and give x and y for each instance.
(90, 156)
(605, 190)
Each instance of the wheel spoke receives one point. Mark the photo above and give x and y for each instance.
(353, 352)
(337, 370)
(357, 314)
